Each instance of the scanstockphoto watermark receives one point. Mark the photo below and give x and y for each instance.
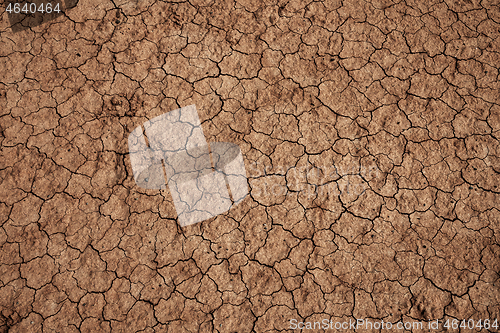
(310, 180)
(452, 324)
(364, 324)
(204, 179)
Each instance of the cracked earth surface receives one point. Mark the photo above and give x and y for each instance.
(370, 132)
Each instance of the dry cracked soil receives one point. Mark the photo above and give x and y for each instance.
(370, 134)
